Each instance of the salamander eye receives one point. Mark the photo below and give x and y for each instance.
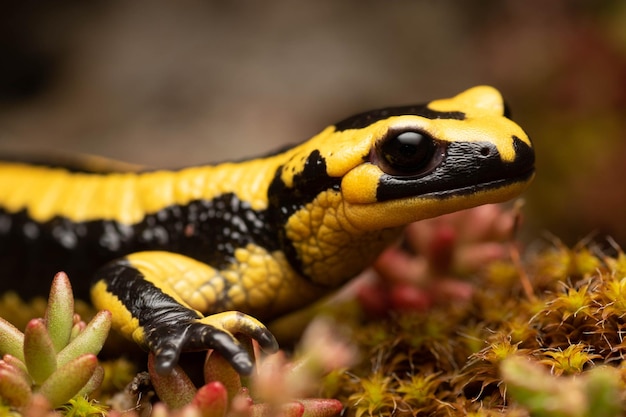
(406, 153)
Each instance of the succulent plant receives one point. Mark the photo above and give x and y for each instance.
(55, 358)
(562, 311)
(593, 394)
(539, 337)
(279, 387)
(424, 270)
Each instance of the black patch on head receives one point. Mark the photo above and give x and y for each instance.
(524, 154)
(285, 201)
(365, 119)
(307, 184)
(466, 168)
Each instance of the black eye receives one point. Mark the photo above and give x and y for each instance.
(406, 153)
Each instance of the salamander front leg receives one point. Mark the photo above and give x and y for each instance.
(148, 311)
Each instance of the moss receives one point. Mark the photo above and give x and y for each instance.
(564, 313)
(571, 323)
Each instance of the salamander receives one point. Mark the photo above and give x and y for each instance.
(185, 259)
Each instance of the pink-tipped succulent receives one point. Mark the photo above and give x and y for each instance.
(277, 388)
(423, 270)
(55, 358)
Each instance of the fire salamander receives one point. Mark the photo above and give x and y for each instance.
(185, 259)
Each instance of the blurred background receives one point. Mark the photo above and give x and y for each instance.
(166, 83)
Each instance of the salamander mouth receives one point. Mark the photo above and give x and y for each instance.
(523, 178)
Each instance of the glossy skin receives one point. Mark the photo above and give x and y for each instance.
(264, 236)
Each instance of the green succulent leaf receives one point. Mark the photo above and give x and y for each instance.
(602, 388)
(60, 311)
(94, 382)
(176, 389)
(11, 340)
(216, 368)
(77, 328)
(39, 352)
(14, 388)
(89, 340)
(67, 381)
(15, 365)
(542, 393)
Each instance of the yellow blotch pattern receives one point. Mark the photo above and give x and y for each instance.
(190, 282)
(259, 283)
(331, 246)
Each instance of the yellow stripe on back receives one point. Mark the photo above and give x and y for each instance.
(46, 192)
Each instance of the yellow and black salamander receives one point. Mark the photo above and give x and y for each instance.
(179, 256)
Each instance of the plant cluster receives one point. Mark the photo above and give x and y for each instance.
(278, 387)
(543, 339)
(225, 393)
(54, 361)
(53, 365)
(564, 315)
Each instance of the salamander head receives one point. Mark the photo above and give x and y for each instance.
(398, 165)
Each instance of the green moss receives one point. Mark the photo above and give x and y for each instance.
(563, 316)
(571, 323)
(82, 407)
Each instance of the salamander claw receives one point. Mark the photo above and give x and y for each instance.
(241, 363)
(266, 340)
(235, 322)
(166, 358)
(212, 332)
(203, 336)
